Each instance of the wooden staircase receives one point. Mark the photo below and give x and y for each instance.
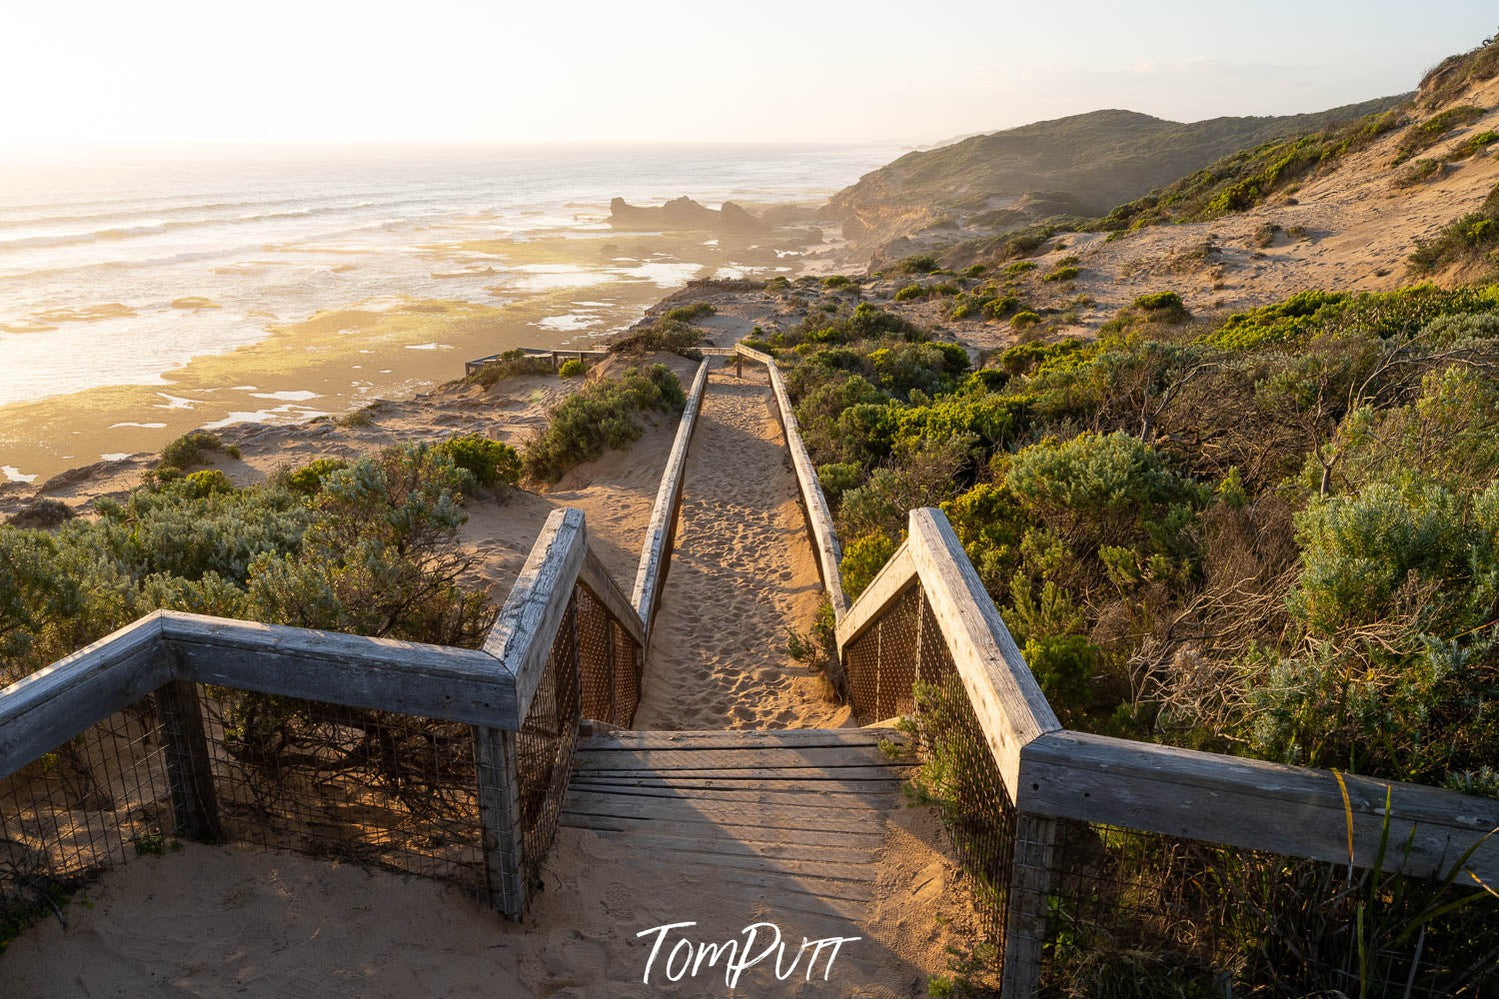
(797, 815)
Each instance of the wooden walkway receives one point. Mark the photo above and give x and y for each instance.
(798, 816)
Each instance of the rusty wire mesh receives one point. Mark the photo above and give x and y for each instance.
(545, 743)
(1186, 917)
(901, 666)
(91, 802)
(609, 664)
(881, 663)
(373, 787)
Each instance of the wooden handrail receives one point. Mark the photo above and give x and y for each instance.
(1296, 811)
(42, 711)
(522, 636)
(655, 551)
(1053, 772)
(490, 687)
(1005, 696)
(889, 584)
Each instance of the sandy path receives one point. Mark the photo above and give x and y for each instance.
(742, 573)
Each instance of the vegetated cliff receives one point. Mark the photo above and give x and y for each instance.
(1087, 163)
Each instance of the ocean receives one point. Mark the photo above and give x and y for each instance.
(120, 268)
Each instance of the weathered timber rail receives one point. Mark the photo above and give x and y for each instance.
(555, 356)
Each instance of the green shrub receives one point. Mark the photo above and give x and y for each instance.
(206, 482)
(835, 282)
(1421, 170)
(921, 263)
(672, 336)
(1004, 306)
(308, 479)
(836, 478)
(1431, 131)
(1025, 320)
(909, 292)
(189, 448)
(1469, 238)
(1475, 144)
(863, 558)
(510, 364)
(572, 368)
(603, 414)
(689, 313)
(1018, 267)
(1163, 307)
(1063, 273)
(490, 462)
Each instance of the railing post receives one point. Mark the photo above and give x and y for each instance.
(499, 817)
(1030, 888)
(195, 805)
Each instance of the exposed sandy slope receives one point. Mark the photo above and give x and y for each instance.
(1359, 231)
(743, 572)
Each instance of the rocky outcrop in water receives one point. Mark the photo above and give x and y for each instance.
(682, 213)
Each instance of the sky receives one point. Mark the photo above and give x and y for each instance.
(102, 72)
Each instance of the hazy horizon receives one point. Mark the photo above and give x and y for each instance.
(173, 73)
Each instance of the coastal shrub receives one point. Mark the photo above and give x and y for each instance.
(361, 417)
(190, 448)
(837, 477)
(1163, 307)
(490, 462)
(1004, 306)
(909, 292)
(1025, 320)
(1062, 272)
(572, 368)
(308, 479)
(1475, 144)
(604, 414)
(674, 336)
(510, 364)
(1025, 358)
(1429, 132)
(43, 513)
(381, 556)
(975, 271)
(921, 263)
(206, 482)
(1017, 267)
(1243, 179)
(689, 313)
(1418, 172)
(863, 558)
(836, 282)
(1470, 238)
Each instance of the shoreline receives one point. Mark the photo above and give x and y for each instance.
(561, 288)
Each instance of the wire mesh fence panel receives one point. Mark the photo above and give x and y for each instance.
(369, 786)
(882, 662)
(545, 743)
(629, 670)
(608, 662)
(96, 800)
(1180, 917)
(959, 774)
